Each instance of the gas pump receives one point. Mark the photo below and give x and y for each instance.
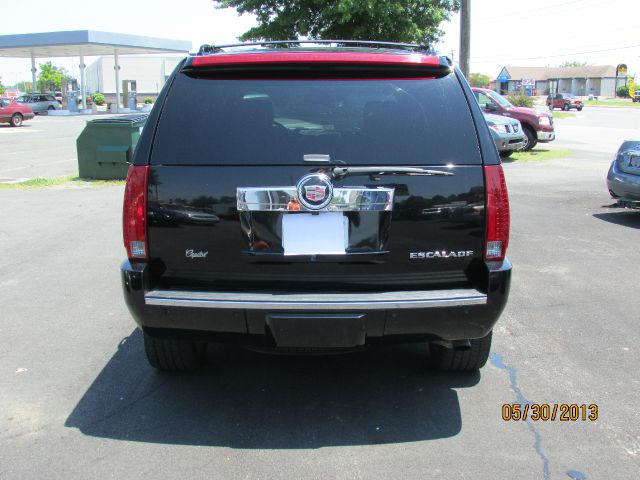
(70, 95)
(129, 94)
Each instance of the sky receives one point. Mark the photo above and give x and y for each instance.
(544, 32)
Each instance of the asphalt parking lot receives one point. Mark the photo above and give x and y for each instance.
(79, 401)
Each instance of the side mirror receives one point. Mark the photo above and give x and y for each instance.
(490, 106)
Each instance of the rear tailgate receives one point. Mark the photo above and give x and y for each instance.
(244, 134)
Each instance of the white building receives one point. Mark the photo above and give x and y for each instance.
(149, 71)
(598, 80)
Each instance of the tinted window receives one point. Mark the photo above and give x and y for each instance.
(483, 100)
(414, 122)
(499, 98)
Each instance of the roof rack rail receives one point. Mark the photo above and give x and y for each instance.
(210, 49)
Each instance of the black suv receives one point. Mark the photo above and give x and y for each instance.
(312, 197)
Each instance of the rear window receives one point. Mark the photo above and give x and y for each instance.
(277, 122)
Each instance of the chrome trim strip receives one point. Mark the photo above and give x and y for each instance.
(345, 199)
(316, 301)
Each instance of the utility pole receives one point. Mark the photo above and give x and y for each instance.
(465, 35)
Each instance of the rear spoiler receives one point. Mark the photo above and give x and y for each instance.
(313, 63)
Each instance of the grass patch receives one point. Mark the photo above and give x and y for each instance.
(563, 115)
(613, 103)
(66, 181)
(538, 155)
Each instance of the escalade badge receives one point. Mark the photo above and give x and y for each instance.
(314, 191)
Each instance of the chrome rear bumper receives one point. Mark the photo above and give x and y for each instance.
(316, 301)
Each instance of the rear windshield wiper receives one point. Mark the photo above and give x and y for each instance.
(339, 172)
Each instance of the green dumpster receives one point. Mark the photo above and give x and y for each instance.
(106, 145)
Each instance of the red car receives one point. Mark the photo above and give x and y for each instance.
(565, 101)
(537, 126)
(14, 113)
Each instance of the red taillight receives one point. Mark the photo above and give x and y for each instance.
(497, 213)
(134, 213)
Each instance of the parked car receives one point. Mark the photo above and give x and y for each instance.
(623, 179)
(565, 101)
(537, 126)
(636, 96)
(14, 113)
(39, 102)
(350, 196)
(507, 134)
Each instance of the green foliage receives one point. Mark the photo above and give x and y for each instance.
(479, 80)
(1, 87)
(98, 99)
(574, 63)
(50, 77)
(385, 20)
(521, 100)
(148, 100)
(622, 91)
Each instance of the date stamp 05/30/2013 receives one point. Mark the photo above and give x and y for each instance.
(550, 412)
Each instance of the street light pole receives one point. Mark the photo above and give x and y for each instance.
(465, 35)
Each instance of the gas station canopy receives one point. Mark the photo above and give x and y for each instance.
(85, 42)
(81, 43)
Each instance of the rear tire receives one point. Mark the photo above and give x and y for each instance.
(532, 138)
(51, 107)
(16, 120)
(579, 109)
(450, 360)
(506, 154)
(174, 355)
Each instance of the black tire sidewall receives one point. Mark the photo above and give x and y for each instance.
(532, 139)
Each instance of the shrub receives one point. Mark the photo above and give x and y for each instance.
(148, 100)
(521, 100)
(622, 91)
(98, 99)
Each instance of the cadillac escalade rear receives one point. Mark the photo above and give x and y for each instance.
(316, 199)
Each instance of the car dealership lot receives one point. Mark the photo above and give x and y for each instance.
(79, 401)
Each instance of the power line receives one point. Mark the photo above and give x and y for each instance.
(542, 11)
(563, 54)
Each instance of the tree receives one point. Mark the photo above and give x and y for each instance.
(479, 80)
(1, 86)
(51, 77)
(574, 63)
(385, 20)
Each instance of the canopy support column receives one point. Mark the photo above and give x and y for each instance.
(83, 88)
(33, 73)
(116, 67)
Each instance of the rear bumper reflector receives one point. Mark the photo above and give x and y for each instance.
(316, 301)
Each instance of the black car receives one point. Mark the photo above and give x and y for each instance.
(349, 193)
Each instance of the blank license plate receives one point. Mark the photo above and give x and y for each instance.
(309, 234)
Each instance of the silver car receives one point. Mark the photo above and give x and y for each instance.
(39, 102)
(507, 134)
(623, 179)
